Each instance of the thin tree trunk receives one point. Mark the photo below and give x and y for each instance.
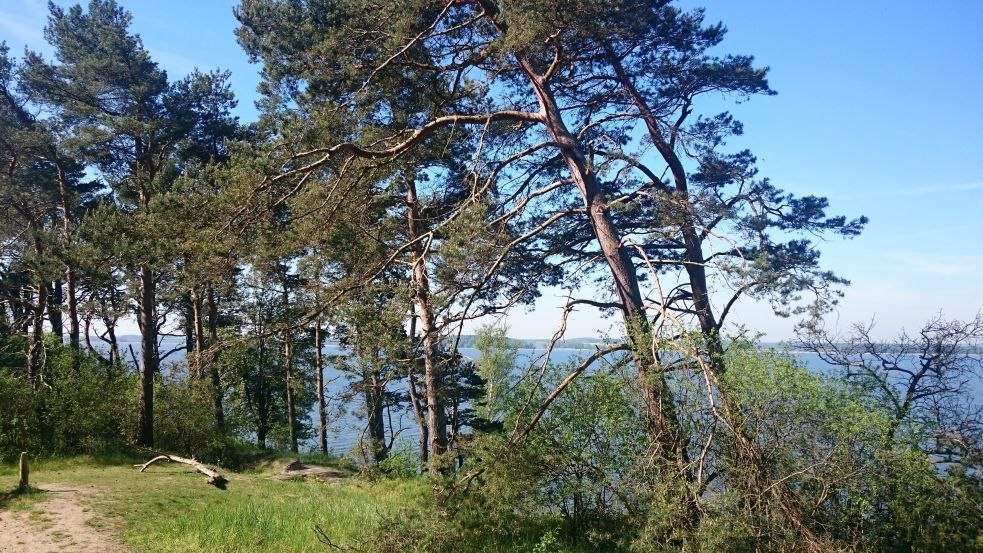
(288, 359)
(22, 313)
(35, 346)
(66, 230)
(709, 327)
(189, 326)
(437, 430)
(693, 248)
(374, 408)
(113, 342)
(414, 393)
(197, 334)
(55, 298)
(74, 332)
(213, 368)
(262, 405)
(288, 365)
(322, 416)
(149, 360)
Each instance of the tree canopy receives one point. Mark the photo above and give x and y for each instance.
(420, 168)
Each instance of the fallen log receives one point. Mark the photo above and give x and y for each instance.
(214, 478)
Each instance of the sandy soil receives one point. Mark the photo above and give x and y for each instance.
(59, 523)
(297, 469)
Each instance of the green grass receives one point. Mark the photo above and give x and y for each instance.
(169, 508)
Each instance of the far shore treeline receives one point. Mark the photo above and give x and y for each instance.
(420, 169)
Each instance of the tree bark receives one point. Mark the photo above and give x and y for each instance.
(213, 368)
(374, 407)
(288, 365)
(74, 333)
(189, 327)
(149, 359)
(709, 327)
(665, 433)
(66, 229)
(414, 394)
(262, 405)
(693, 247)
(113, 342)
(437, 429)
(55, 298)
(198, 335)
(35, 346)
(322, 416)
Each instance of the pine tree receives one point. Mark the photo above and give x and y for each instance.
(136, 129)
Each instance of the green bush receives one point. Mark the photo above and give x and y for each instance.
(83, 409)
(563, 488)
(403, 462)
(91, 409)
(184, 421)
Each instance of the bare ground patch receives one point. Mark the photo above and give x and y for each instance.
(296, 469)
(59, 522)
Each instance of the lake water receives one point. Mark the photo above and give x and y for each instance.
(348, 427)
(346, 423)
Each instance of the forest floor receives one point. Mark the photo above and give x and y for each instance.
(85, 505)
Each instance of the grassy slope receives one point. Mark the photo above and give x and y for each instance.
(169, 508)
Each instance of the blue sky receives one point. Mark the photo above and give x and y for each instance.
(879, 108)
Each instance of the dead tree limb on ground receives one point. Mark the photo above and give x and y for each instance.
(214, 478)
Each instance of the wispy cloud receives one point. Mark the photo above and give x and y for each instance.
(22, 22)
(881, 191)
(940, 189)
(942, 265)
(176, 65)
(22, 27)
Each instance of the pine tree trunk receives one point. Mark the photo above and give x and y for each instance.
(74, 332)
(113, 342)
(288, 365)
(414, 391)
(198, 336)
(693, 248)
(288, 359)
(666, 436)
(262, 405)
(213, 368)
(322, 416)
(418, 413)
(189, 326)
(74, 341)
(149, 360)
(374, 407)
(437, 430)
(35, 345)
(54, 310)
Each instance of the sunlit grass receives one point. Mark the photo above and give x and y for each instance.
(170, 508)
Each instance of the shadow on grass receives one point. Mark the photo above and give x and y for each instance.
(8, 496)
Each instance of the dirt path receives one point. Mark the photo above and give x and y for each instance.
(57, 523)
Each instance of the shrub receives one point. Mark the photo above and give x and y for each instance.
(83, 409)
